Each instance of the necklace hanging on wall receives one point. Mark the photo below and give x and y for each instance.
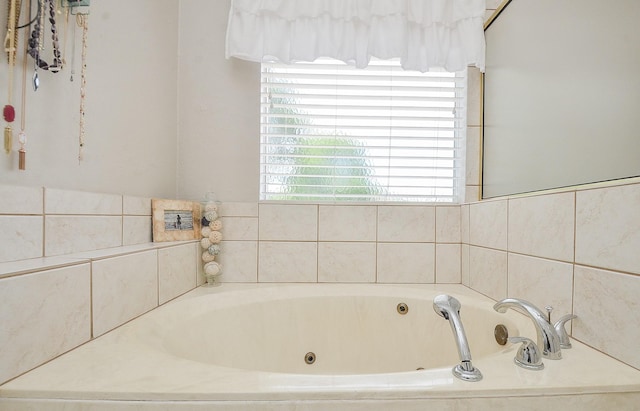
(13, 16)
(73, 51)
(65, 32)
(9, 112)
(36, 42)
(22, 136)
(82, 20)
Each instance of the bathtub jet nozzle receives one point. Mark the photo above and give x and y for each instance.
(448, 308)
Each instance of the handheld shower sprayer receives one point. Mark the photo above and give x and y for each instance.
(448, 308)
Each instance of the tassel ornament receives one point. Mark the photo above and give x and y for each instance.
(22, 153)
(22, 161)
(8, 139)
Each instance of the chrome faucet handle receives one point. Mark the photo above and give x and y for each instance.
(528, 355)
(565, 342)
(549, 309)
(548, 341)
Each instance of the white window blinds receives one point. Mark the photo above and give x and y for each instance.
(331, 132)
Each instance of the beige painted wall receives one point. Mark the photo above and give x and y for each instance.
(131, 126)
(219, 106)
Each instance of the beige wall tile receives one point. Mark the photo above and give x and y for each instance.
(448, 224)
(347, 223)
(488, 272)
(21, 200)
(406, 224)
(472, 170)
(240, 228)
(543, 226)
(58, 201)
(73, 234)
(542, 282)
(238, 209)
(20, 237)
(32, 265)
(488, 224)
(177, 271)
(239, 261)
(347, 262)
(406, 263)
(464, 223)
(42, 316)
(136, 230)
(287, 262)
(132, 205)
(123, 288)
(472, 193)
(606, 304)
(448, 263)
(288, 222)
(200, 278)
(474, 98)
(608, 228)
(466, 276)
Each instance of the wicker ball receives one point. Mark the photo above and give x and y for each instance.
(212, 268)
(214, 249)
(205, 243)
(205, 231)
(211, 215)
(215, 225)
(211, 206)
(215, 237)
(208, 257)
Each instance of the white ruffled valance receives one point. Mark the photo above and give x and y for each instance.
(424, 34)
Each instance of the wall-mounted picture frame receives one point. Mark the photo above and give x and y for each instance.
(175, 220)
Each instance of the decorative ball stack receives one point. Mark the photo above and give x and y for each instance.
(211, 237)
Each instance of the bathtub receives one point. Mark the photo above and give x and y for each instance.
(316, 347)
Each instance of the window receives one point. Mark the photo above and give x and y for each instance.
(331, 132)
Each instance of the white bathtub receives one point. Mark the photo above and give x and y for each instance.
(243, 347)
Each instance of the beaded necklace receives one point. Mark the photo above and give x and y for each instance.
(36, 41)
(83, 21)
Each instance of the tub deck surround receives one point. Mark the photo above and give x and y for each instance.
(142, 361)
(33, 265)
(53, 304)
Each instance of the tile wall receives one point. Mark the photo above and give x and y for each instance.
(576, 251)
(74, 265)
(340, 243)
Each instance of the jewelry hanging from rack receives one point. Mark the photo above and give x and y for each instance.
(73, 51)
(9, 112)
(12, 25)
(22, 136)
(36, 42)
(65, 30)
(78, 8)
(82, 20)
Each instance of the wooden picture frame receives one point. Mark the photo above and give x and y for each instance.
(175, 220)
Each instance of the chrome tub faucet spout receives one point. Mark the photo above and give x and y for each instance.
(548, 340)
(449, 308)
